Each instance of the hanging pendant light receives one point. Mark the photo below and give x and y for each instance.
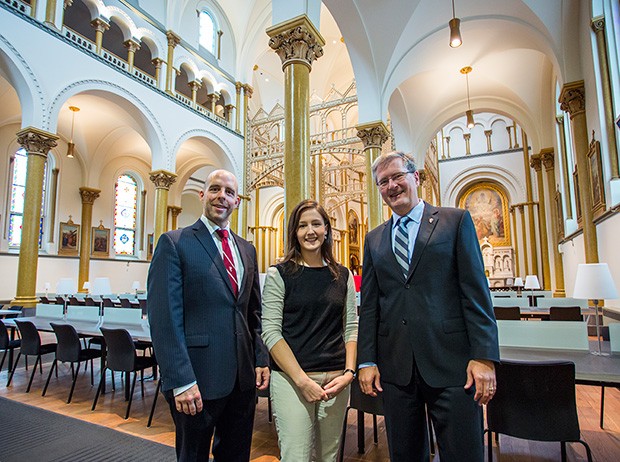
(455, 30)
(71, 145)
(469, 114)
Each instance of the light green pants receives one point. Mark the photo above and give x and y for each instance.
(307, 430)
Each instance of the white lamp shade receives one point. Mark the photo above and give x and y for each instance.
(47, 286)
(101, 286)
(86, 285)
(518, 282)
(66, 286)
(594, 282)
(531, 282)
(135, 285)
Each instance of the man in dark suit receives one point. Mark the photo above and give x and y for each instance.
(204, 312)
(427, 333)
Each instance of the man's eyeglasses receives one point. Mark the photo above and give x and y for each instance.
(396, 178)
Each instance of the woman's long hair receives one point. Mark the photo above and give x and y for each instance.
(293, 251)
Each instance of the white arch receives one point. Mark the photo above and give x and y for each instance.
(202, 133)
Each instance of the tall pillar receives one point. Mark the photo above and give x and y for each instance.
(598, 26)
(175, 211)
(467, 138)
(157, 63)
(558, 265)
(37, 144)
(228, 110)
(565, 175)
(88, 196)
(50, 12)
(536, 164)
(488, 134)
(532, 248)
(132, 46)
(513, 216)
(173, 41)
(526, 263)
(52, 201)
(238, 86)
(162, 181)
(194, 86)
(298, 43)
(100, 27)
(373, 135)
(573, 101)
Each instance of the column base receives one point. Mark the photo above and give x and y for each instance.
(559, 293)
(27, 301)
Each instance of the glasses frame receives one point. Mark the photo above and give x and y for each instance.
(396, 178)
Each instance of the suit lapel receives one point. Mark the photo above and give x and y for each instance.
(430, 218)
(245, 261)
(204, 237)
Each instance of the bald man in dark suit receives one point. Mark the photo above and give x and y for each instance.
(427, 333)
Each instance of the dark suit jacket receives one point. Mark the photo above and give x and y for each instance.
(200, 330)
(441, 314)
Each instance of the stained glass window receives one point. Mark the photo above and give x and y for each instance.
(207, 31)
(125, 215)
(18, 191)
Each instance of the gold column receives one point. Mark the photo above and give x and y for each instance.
(173, 41)
(194, 86)
(162, 181)
(598, 26)
(298, 43)
(467, 137)
(52, 198)
(228, 110)
(373, 135)
(132, 47)
(536, 164)
(573, 101)
(488, 134)
(238, 86)
(100, 27)
(37, 144)
(175, 211)
(422, 176)
(568, 198)
(526, 263)
(558, 264)
(513, 215)
(50, 12)
(532, 248)
(157, 63)
(215, 96)
(242, 211)
(142, 218)
(88, 196)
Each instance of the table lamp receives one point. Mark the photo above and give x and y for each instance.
(66, 286)
(594, 282)
(47, 288)
(531, 282)
(135, 286)
(518, 283)
(101, 286)
(86, 286)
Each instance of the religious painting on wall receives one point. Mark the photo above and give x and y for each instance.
(100, 241)
(69, 238)
(353, 224)
(488, 206)
(577, 196)
(596, 177)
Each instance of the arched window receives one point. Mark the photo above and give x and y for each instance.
(125, 207)
(18, 191)
(208, 31)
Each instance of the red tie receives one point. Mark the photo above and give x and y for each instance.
(229, 263)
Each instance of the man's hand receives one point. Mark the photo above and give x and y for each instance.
(482, 373)
(190, 401)
(262, 377)
(369, 379)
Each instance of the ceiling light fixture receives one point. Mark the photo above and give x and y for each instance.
(71, 145)
(469, 114)
(455, 30)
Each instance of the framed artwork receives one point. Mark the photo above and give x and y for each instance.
(100, 241)
(488, 205)
(596, 178)
(559, 215)
(577, 195)
(69, 243)
(149, 246)
(353, 224)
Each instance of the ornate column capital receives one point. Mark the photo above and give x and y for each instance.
(238, 87)
(157, 62)
(296, 41)
(511, 209)
(36, 141)
(519, 208)
(488, 133)
(131, 45)
(100, 25)
(598, 24)
(536, 162)
(162, 179)
(547, 155)
(195, 85)
(173, 39)
(466, 136)
(422, 175)
(229, 107)
(573, 98)
(89, 195)
(175, 210)
(373, 134)
(248, 90)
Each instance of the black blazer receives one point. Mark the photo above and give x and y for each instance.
(441, 314)
(201, 331)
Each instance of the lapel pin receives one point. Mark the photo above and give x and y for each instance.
(431, 219)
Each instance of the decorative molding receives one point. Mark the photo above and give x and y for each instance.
(89, 195)
(162, 179)
(598, 24)
(536, 162)
(573, 98)
(36, 141)
(296, 41)
(373, 134)
(173, 39)
(547, 155)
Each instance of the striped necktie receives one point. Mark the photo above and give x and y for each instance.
(229, 263)
(401, 244)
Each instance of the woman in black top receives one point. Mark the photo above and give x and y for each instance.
(310, 328)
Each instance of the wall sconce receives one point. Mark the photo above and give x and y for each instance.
(455, 30)
(469, 114)
(71, 145)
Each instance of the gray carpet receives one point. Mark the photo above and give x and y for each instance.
(30, 434)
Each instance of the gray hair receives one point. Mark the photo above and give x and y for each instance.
(385, 159)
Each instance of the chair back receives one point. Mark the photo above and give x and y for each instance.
(31, 342)
(565, 313)
(73, 301)
(88, 301)
(44, 299)
(69, 347)
(559, 335)
(122, 316)
(554, 301)
(107, 302)
(535, 401)
(507, 313)
(363, 402)
(83, 313)
(142, 302)
(522, 302)
(49, 311)
(60, 300)
(121, 354)
(125, 303)
(4, 337)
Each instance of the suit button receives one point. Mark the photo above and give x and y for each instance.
(404, 322)
(407, 286)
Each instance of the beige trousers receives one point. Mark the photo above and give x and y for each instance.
(307, 431)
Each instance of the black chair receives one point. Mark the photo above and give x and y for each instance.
(70, 350)
(60, 300)
(107, 302)
(88, 301)
(142, 303)
(13, 308)
(535, 401)
(44, 299)
(122, 357)
(507, 313)
(7, 345)
(31, 346)
(125, 303)
(565, 313)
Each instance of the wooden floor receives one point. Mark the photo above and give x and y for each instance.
(110, 410)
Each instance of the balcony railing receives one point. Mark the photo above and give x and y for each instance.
(18, 6)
